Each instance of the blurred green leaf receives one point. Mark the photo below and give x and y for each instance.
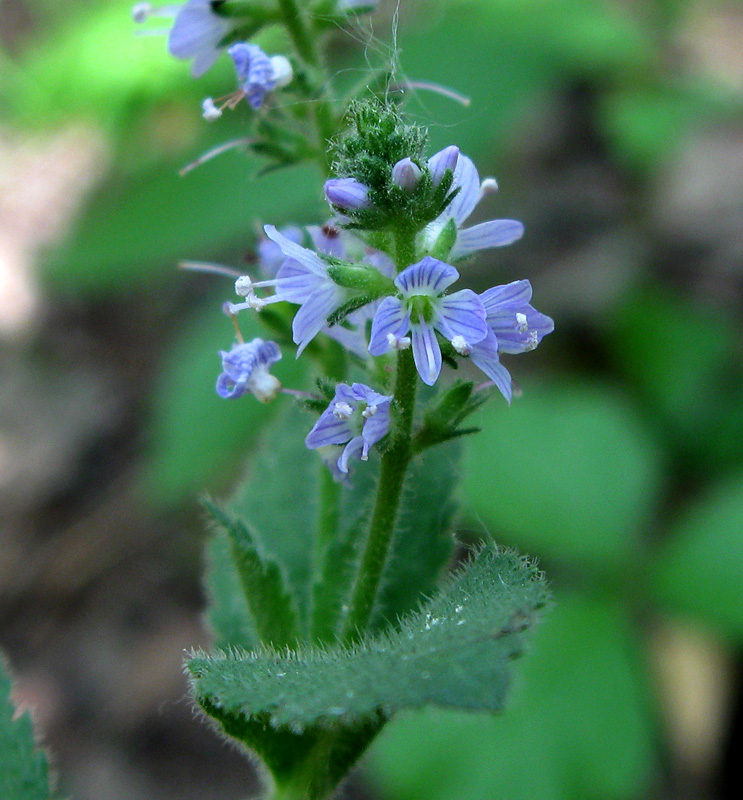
(683, 357)
(699, 568)
(136, 233)
(195, 435)
(24, 772)
(567, 472)
(578, 725)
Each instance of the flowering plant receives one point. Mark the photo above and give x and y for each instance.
(328, 595)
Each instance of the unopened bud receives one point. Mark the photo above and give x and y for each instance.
(406, 174)
(445, 159)
(347, 193)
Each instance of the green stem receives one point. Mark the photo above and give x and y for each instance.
(327, 523)
(305, 41)
(303, 38)
(404, 248)
(384, 516)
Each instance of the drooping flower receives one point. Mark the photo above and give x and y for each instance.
(494, 233)
(246, 369)
(357, 417)
(197, 33)
(257, 73)
(422, 308)
(515, 326)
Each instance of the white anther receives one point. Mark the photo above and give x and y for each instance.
(209, 111)
(488, 186)
(398, 342)
(369, 411)
(522, 322)
(460, 344)
(532, 342)
(244, 286)
(264, 386)
(342, 410)
(140, 11)
(255, 302)
(282, 71)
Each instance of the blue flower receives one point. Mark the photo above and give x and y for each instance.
(422, 308)
(246, 370)
(197, 33)
(357, 417)
(303, 278)
(514, 326)
(257, 73)
(494, 233)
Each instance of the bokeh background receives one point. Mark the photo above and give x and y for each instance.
(615, 129)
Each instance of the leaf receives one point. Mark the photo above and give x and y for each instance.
(566, 472)
(227, 609)
(455, 651)
(688, 373)
(578, 726)
(270, 604)
(698, 568)
(24, 773)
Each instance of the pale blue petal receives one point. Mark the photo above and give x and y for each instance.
(328, 240)
(328, 430)
(291, 249)
(391, 317)
(354, 447)
(495, 233)
(426, 353)
(295, 282)
(468, 181)
(485, 356)
(428, 277)
(511, 296)
(441, 161)
(313, 314)
(462, 314)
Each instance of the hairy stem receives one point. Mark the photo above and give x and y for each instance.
(384, 516)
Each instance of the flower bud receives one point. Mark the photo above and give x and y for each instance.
(347, 193)
(406, 174)
(445, 159)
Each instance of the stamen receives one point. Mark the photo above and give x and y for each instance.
(369, 411)
(460, 344)
(488, 186)
(141, 11)
(342, 411)
(204, 266)
(398, 343)
(244, 286)
(209, 111)
(216, 151)
(522, 322)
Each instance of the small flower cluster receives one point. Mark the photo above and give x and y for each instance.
(353, 292)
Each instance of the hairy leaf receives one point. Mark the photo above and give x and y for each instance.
(453, 652)
(23, 768)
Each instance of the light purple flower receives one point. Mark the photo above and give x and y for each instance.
(515, 327)
(357, 417)
(245, 369)
(422, 309)
(256, 74)
(302, 278)
(270, 257)
(347, 193)
(197, 33)
(494, 233)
